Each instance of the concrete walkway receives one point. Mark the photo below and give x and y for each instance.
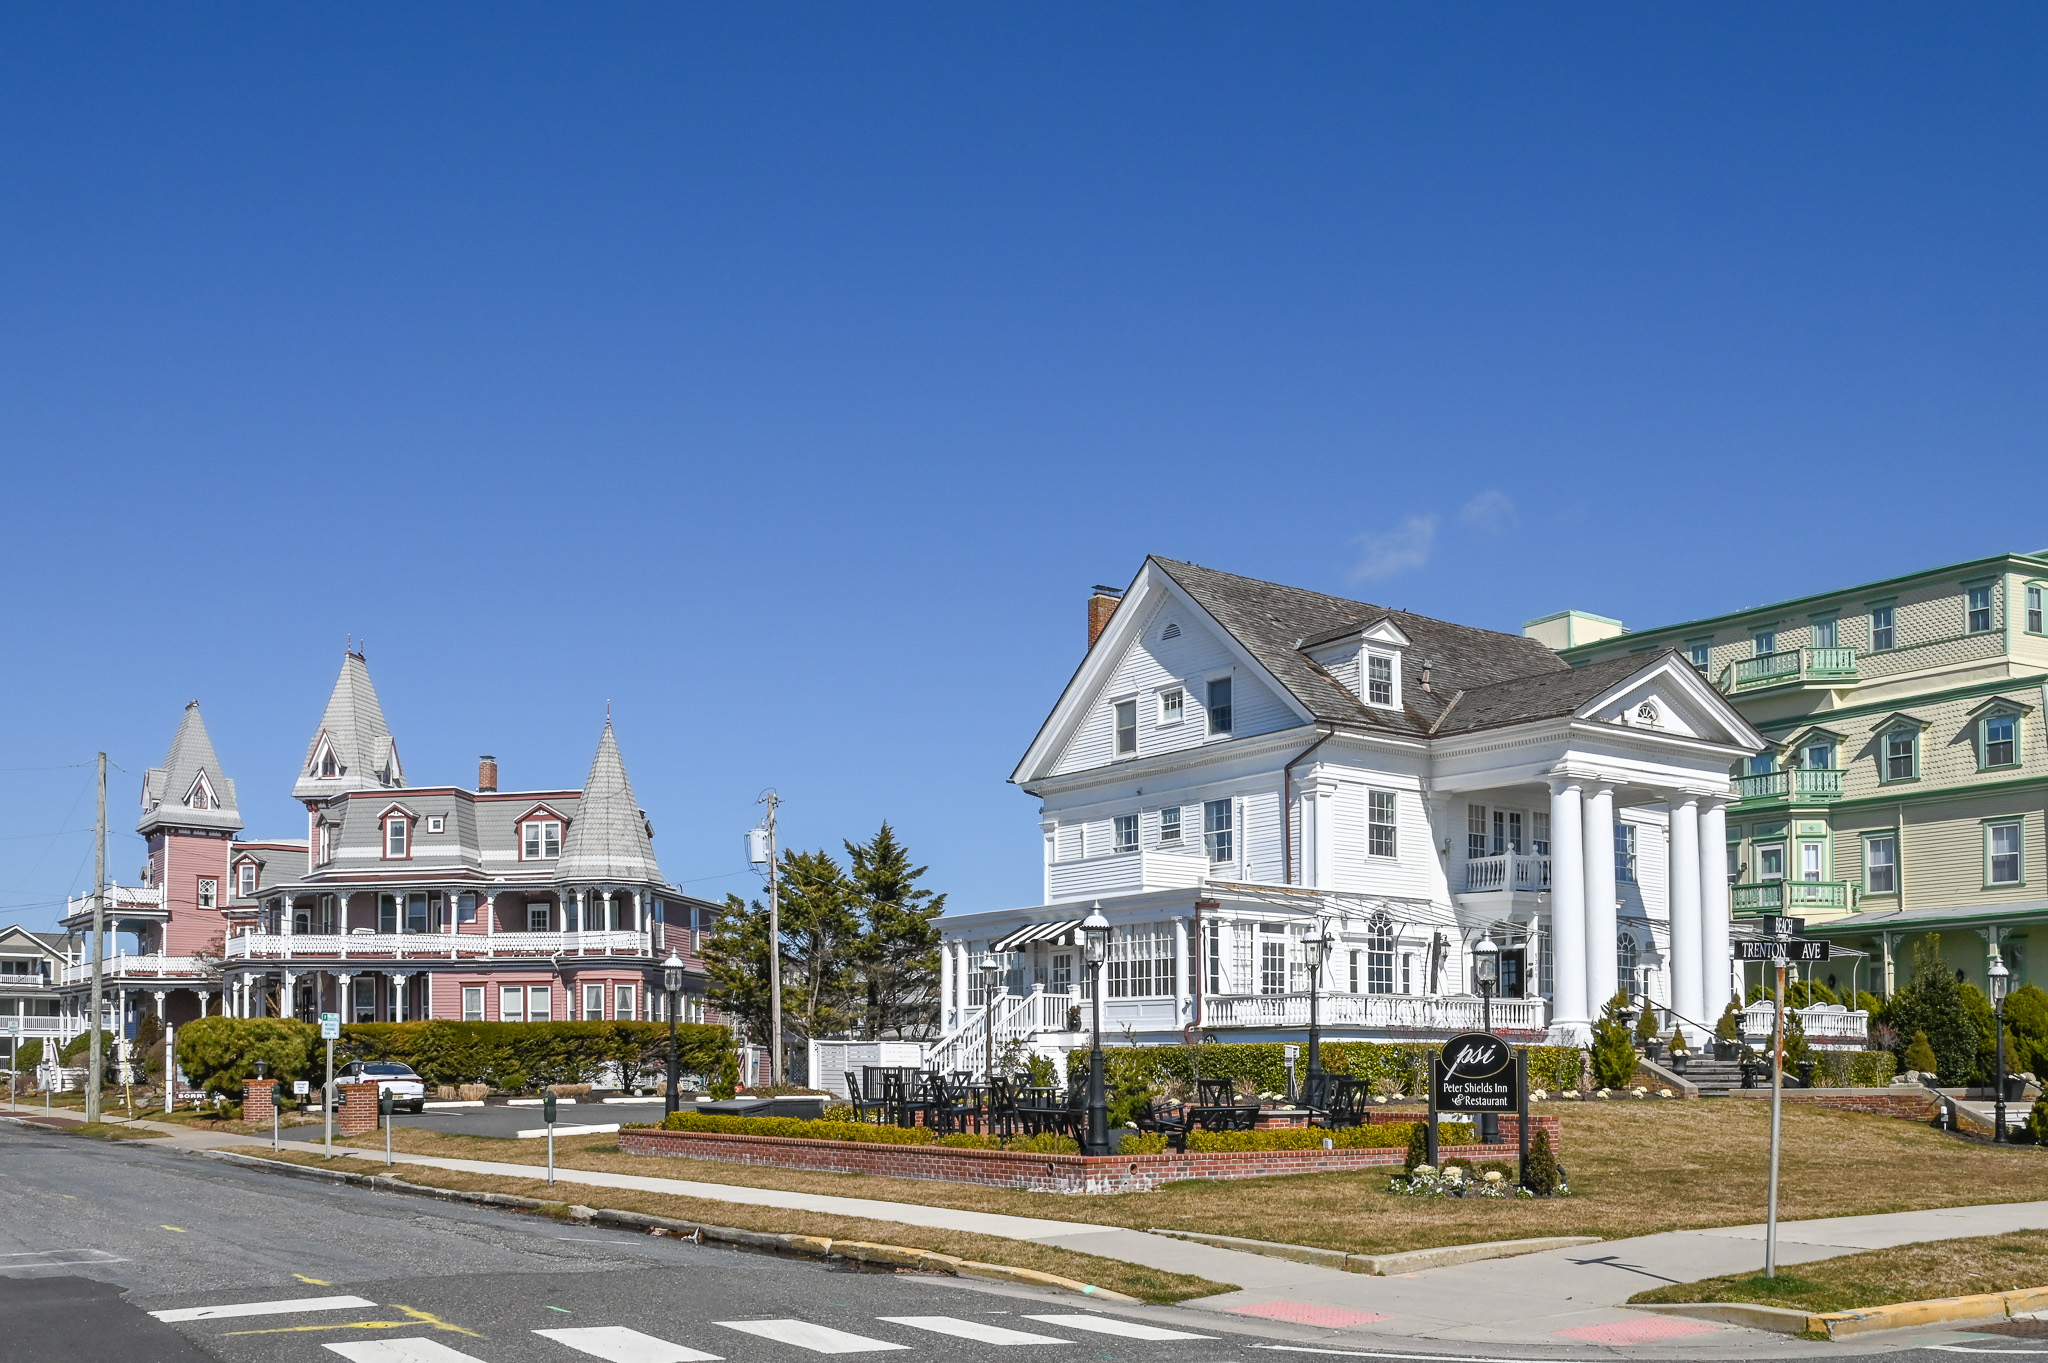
(1557, 1299)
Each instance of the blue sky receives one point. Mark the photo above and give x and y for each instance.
(784, 376)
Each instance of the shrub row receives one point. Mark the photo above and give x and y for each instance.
(1385, 1067)
(1379, 1136)
(863, 1133)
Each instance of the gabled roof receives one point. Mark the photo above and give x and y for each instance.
(190, 764)
(14, 936)
(609, 841)
(1546, 695)
(354, 728)
(2018, 707)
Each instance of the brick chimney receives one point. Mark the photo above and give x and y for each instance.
(487, 774)
(1101, 605)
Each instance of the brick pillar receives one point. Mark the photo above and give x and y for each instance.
(358, 1110)
(259, 1100)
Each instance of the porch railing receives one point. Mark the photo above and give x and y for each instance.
(1790, 896)
(1509, 871)
(1438, 1015)
(1826, 1024)
(141, 968)
(1795, 783)
(1013, 1016)
(1788, 666)
(432, 945)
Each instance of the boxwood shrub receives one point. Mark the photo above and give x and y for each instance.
(520, 1056)
(1261, 1066)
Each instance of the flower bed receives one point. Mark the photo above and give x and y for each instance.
(928, 1158)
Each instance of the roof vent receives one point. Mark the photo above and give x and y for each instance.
(1172, 630)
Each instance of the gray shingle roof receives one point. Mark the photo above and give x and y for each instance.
(608, 840)
(354, 725)
(1543, 696)
(1275, 622)
(166, 789)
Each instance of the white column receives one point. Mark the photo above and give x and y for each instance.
(490, 905)
(945, 987)
(345, 995)
(1717, 957)
(399, 980)
(1184, 967)
(1568, 1012)
(205, 995)
(284, 925)
(1603, 975)
(288, 999)
(1687, 978)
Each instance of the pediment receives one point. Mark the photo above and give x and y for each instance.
(1998, 705)
(1668, 696)
(1385, 632)
(543, 810)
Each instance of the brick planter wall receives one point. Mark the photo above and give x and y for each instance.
(259, 1100)
(358, 1110)
(1035, 1173)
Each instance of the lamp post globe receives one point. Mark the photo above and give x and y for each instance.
(991, 971)
(2001, 980)
(1314, 943)
(672, 985)
(1486, 972)
(1095, 939)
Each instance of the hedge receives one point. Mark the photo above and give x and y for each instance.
(1261, 1066)
(220, 1053)
(863, 1133)
(518, 1056)
(1378, 1136)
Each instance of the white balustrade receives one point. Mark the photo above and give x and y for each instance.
(435, 945)
(1441, 1015)
(141, 968)
(1515, 871)
(1825, 1024)
(1015, 1016)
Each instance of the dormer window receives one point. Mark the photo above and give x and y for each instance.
(1381, 687)
(201, 795)
(328, 766)
(542, 841)
(436, 823)
(247, 872)
(397, 842)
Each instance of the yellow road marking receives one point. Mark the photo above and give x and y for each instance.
(418, 1317)
(179, 1229)
(317, 1282)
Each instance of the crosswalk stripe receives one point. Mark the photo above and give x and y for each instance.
(978, 1330)
(1113, 1325)
(260, 1308)
(822, 1339)
(617, 1344)
(400, 1351)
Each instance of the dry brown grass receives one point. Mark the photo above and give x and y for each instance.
(1933, 1268)
(1635, 1168)
(1148, 1284)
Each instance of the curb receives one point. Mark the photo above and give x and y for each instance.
(1776, 1319)
(806, 1246)
(1384, 1265)
(1870, 1320)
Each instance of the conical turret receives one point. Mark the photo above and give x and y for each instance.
(609, 840)
(189, 790)
(352, 749)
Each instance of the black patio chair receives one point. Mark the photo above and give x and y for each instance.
(1215, 1092)
(863, 1106)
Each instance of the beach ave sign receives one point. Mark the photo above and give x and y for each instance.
(1475, 1072)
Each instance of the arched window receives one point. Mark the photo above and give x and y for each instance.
(1626, 957)
(1379, 955)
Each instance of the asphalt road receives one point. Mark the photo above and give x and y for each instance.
(117, 1252)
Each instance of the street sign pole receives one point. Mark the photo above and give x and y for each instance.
(330, 1028)
(547, 1112)
(1777, 1119)
(1522, 1113)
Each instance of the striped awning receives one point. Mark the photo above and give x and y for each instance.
(1053, 934)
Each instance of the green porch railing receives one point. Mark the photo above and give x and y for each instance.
(1791, 896)
(1803, 783)
(1789, 666)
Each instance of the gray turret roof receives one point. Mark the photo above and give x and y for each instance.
(168, 791)
(354, 728)
(609, 840)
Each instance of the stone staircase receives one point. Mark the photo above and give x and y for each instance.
(1714, 1077)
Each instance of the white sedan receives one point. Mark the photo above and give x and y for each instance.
(406, 1088)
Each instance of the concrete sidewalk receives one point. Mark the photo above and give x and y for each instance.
(1558, 1299)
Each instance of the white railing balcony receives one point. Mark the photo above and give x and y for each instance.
(1122, 872)
(131, 968)
(274, 946)
(1406, 1013)
(1516, 871)
(1825, 1024)
(1015, 1016)
(43, 1026)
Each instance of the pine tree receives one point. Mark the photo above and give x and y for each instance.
(1646, 1026)
(1729, 1028)
(1614, 1054)
(1542, 1176)
(899, 941)
(1418, 1145)
(735, 955)
(1935, 1005)
(1920, 1054)
(821, 946)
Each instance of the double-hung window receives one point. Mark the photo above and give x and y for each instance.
(2002, 853)
(1539, 833)
(1172, 705)
(622, 1002)
(248, 874)
(1126, 833)
(539, 1005)
(1881, 864)
(1901, 754)
(1475, 831)
(1379, 823)
(1625, 853)
(1824, 633)
(1126, 727)
(472, 1003)
(1216, 830)
(543, 840)
(512, 1003)
(1883, 635)
(1812, 861)
(1219, 706)
(1379, 679)
(1764, 641)
(2034, 595)
(1763, 764)
(2001, 745)
(1699, 652)
(1980, 609)
(1820, 756)
(395, 830)
(593, 1003)
(1169, 825)
(1770, 861)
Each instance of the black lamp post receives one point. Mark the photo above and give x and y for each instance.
(991, 971)
(1486, 972)
(672, 984)
(1313, 945)
(1095, 932)
(2000, 979)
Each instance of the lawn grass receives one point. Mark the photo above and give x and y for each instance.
(1635, 1168)
(107, 1131)
(1879, 1277)
(1147, 1284)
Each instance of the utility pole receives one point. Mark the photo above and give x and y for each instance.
(93, 1077)
(771, 799)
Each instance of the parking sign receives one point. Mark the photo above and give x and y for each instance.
(330, 1026)
(300, 1088)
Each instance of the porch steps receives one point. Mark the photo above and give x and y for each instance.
(1715, 1078)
